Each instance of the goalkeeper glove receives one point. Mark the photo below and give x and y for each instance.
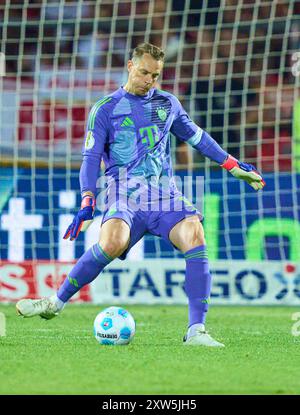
(83, 219)
(244, 171)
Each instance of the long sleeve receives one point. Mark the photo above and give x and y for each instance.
(89, 173)
(93, 147)
(186, 130)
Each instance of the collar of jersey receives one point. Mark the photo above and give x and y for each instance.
(137, 97)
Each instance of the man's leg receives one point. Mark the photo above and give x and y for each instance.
(188, 236)
(114, 239)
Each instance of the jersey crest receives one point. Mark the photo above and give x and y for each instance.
(162, 113)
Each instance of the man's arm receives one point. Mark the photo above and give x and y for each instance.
(95, 139)
(89, 173)
(204, 143)
(186, 130)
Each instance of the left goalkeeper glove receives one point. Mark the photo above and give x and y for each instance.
(244, 171)
(83, 219)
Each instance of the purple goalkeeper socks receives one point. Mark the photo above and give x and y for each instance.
(87, 268)
(197, 284)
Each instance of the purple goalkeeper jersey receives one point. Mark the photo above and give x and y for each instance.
(132, 133)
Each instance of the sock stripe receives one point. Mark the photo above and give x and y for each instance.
(197, 257)
(196, 254)
(108, 257)
(202, 254)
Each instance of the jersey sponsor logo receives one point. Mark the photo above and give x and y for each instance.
(89, 141)
(149, 135)
(162, 113)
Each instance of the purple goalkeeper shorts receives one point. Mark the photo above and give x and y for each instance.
(158, 223)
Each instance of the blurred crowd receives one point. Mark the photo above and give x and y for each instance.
(228, 61)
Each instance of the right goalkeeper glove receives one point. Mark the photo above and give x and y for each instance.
(83, 218)
(244, 171)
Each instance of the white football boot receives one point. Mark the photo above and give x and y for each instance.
(46, 307)
(198, 336)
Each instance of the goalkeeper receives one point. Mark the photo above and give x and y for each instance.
(129, 131)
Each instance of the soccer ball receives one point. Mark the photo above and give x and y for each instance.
(114, 326)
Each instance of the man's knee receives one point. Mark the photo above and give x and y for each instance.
(188, 234)
(114, 248)
(114, 237)
(194, 236)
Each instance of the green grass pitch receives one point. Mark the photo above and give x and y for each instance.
(61, 356)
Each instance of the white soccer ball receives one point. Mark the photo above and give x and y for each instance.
(114, 326)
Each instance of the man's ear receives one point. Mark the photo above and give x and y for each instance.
(129, 65)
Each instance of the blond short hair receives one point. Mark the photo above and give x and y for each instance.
(156, 53)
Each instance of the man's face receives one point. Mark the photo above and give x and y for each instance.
(143, 73)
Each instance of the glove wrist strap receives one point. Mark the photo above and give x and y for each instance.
(230, 163)
(88, 201)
